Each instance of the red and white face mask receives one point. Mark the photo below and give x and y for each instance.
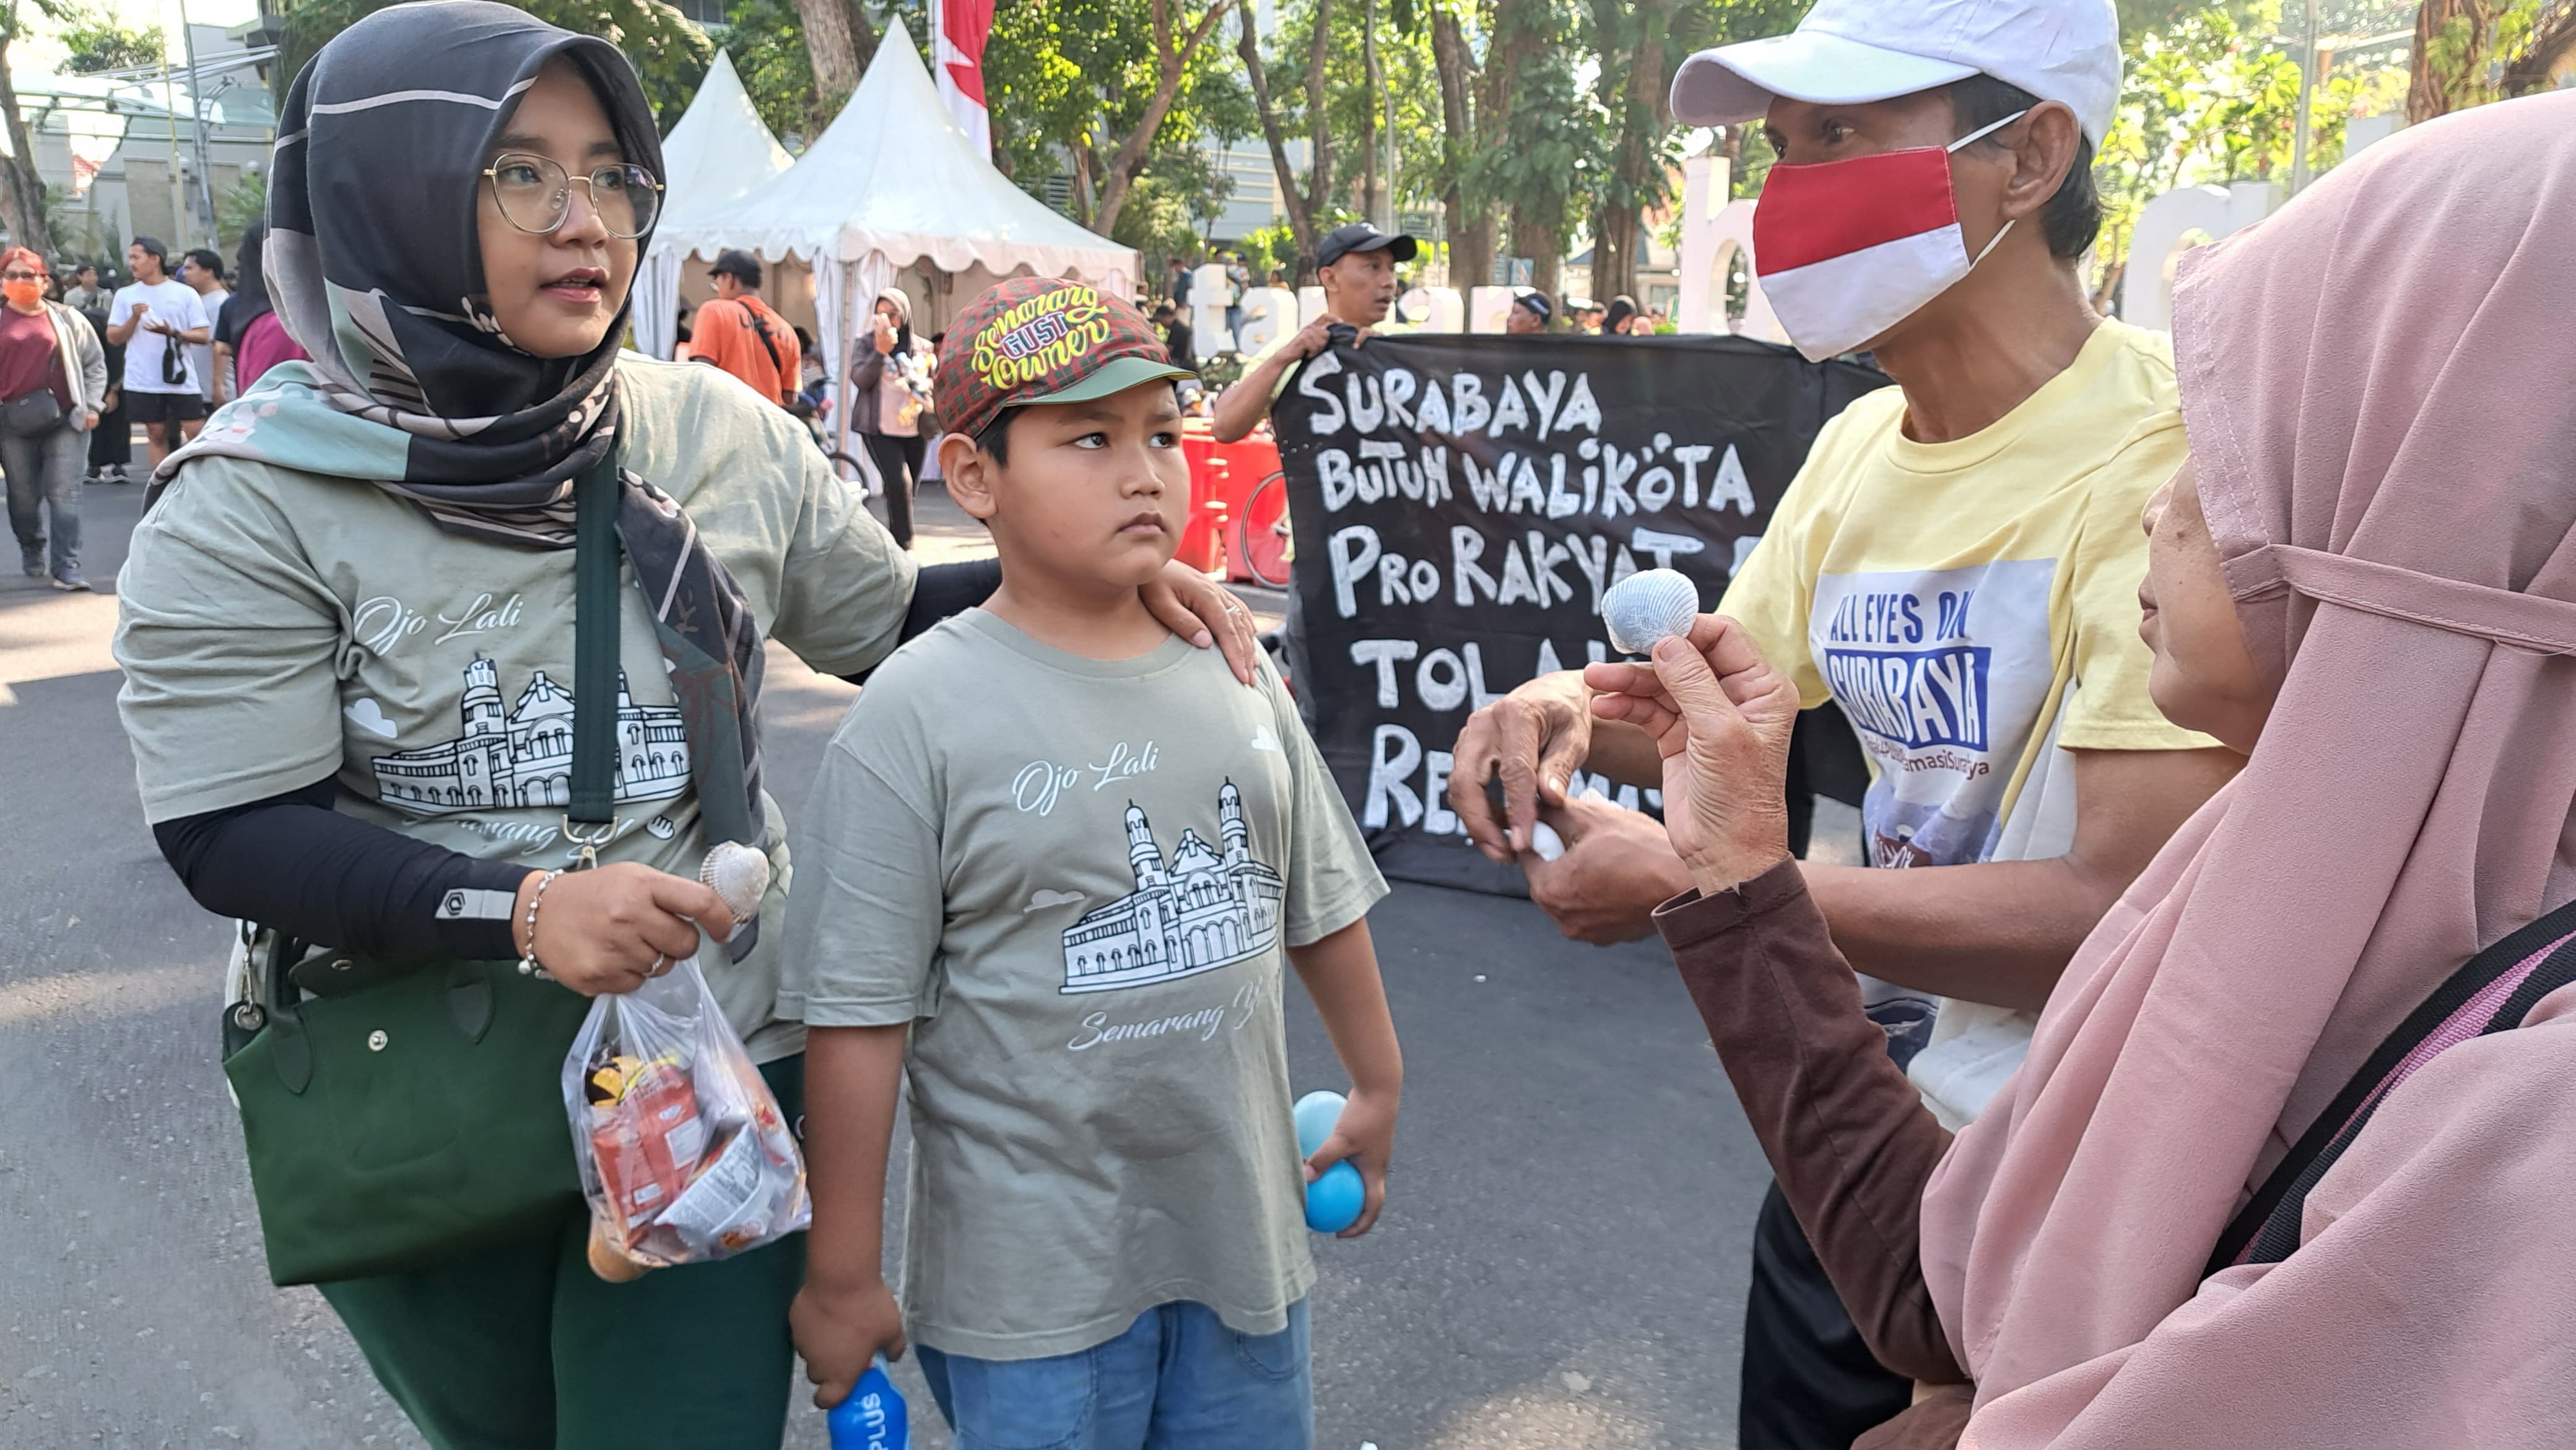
(1849, 249)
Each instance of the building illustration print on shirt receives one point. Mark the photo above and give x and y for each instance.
(1201, 912)
(525, 757)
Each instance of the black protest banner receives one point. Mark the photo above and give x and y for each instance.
(1460, 503)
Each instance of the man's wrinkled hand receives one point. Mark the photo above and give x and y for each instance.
(1617, 868)
(1533, 740)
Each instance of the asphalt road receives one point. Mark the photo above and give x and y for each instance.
(1561, 1263)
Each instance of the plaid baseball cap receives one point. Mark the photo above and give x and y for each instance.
(1042, 340)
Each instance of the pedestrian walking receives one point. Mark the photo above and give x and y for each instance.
(53, 374)
(889, 393)
(430, 804)
(156, 318)
(2288, 1164)
(203, 269)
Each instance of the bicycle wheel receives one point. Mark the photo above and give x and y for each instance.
(1261, 536)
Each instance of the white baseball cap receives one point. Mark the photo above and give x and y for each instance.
(1851, 51)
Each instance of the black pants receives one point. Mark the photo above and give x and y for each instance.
(898, 465)
(1809, 1382)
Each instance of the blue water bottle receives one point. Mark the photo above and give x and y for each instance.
(873, 1417)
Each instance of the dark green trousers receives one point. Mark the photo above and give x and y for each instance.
(522, 1347)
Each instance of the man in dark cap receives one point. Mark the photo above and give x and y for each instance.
(1531, 311)
(744, 335)
(1356, 265)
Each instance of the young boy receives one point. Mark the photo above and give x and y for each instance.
(1063, 852)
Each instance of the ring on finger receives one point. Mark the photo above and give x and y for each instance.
(661, 964)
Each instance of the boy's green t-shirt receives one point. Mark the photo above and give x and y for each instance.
(1075, 879)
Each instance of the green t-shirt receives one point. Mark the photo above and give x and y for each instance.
(278, 626)
(1075, 878)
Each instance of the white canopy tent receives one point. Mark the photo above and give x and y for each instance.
(890, 184)
(717, 152)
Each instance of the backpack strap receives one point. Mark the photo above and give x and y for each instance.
(2493, 993)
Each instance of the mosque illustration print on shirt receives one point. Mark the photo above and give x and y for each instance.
(524, 758)
(1203, 911)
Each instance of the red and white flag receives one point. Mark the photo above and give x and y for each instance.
(958, 29)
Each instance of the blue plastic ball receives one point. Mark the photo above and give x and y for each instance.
(1316, 1113)
(1334, 1201)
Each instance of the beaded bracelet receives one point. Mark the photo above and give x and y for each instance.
(528, 960)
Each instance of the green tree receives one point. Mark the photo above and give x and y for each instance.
(97, 40)
(22, 192)
(2470, 52)
(1108, 90)
(669, 53)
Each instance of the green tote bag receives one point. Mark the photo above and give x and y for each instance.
(398, 1114)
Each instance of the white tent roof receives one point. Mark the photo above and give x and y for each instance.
(718, 151)
(894, 175)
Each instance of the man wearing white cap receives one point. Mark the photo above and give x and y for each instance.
(1956, 566)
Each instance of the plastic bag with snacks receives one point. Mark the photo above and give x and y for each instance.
(684, 1154)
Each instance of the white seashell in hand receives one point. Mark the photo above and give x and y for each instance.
(1545, 841)
(1648, 606)
(739, 874)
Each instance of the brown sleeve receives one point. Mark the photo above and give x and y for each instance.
(1844, 1130)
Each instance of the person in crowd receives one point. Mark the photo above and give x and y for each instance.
(1970, 523)
(1238, 280)
(156, 318)
(53, 377)
(1178, 283)
(812, 380)
(85, 295)
(1114, 1259)
(2287, 1166)
(203, 269)
(111, 443)
(1175, 330)
(249, 338)
(1531, 311)
(1278, 277)
(890, 394)
(744, 335)
(1619, 317)
(1356, 265)
(297, 745)
(1587, 314)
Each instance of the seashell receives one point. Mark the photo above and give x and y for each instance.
(1545, 842)
(739, 874)
(1648, 606)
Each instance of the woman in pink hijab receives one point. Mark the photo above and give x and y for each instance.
(2365, 579)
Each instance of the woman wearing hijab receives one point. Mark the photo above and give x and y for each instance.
(247, 331)
(890, 395)
(354, 666)
(2288, 1166)
(1623, 311)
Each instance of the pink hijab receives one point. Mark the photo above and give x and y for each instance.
(2375, 382)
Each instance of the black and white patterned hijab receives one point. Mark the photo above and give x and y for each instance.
(374, 259)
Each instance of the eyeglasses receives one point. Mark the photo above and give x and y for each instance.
(21, 274)
(535, 195)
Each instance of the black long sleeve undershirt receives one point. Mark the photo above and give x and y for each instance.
(293, 863)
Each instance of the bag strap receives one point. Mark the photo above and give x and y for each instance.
(2492, 993)
(596, 616)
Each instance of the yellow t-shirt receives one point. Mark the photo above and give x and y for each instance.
(1973, 608)
(1970, 603)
